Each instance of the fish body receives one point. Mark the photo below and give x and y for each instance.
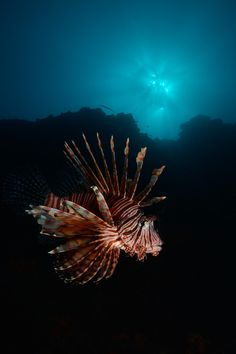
(97, 224)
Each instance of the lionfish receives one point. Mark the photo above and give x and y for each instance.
(98, 223)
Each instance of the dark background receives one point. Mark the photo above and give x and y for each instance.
(182, 301)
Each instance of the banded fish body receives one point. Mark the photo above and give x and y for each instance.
(97, 224)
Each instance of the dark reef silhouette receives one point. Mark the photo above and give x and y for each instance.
(180, 302)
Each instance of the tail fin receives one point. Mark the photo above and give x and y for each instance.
(27, 185)
(23, 187)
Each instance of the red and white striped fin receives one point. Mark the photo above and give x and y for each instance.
(74, 160)
(98, 265)
(101, 177)
(87, 241)
(70, 245)
(83, 258)
(139, 161)
(106, 169)
(68, 261)
(61, 223)
(105, 266)
(152, 201)
(155, 175)
(79, 162)
(114, 168)
(109, 264)
(113, 262)
(53, 201)
(123, 184)
(88, 262)
(87, 214)
(103, 207)
(87, 200)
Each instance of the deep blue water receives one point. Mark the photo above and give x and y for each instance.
(162, 61)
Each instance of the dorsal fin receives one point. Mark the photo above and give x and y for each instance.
(107, 184)
(100, 175)
(79, 162)
(103, 207)
(155, 174)
(139, 161)
(73, 159)
(114, 168)
(123, 183)
(152, 201)
(107, 173)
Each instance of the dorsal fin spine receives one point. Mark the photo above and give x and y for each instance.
(114, 168)
(83, 167)
(123, 183)
(100, 175)
(154, 178)
(139, 161)
(107, 173)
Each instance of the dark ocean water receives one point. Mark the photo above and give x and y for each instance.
(182, 301)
